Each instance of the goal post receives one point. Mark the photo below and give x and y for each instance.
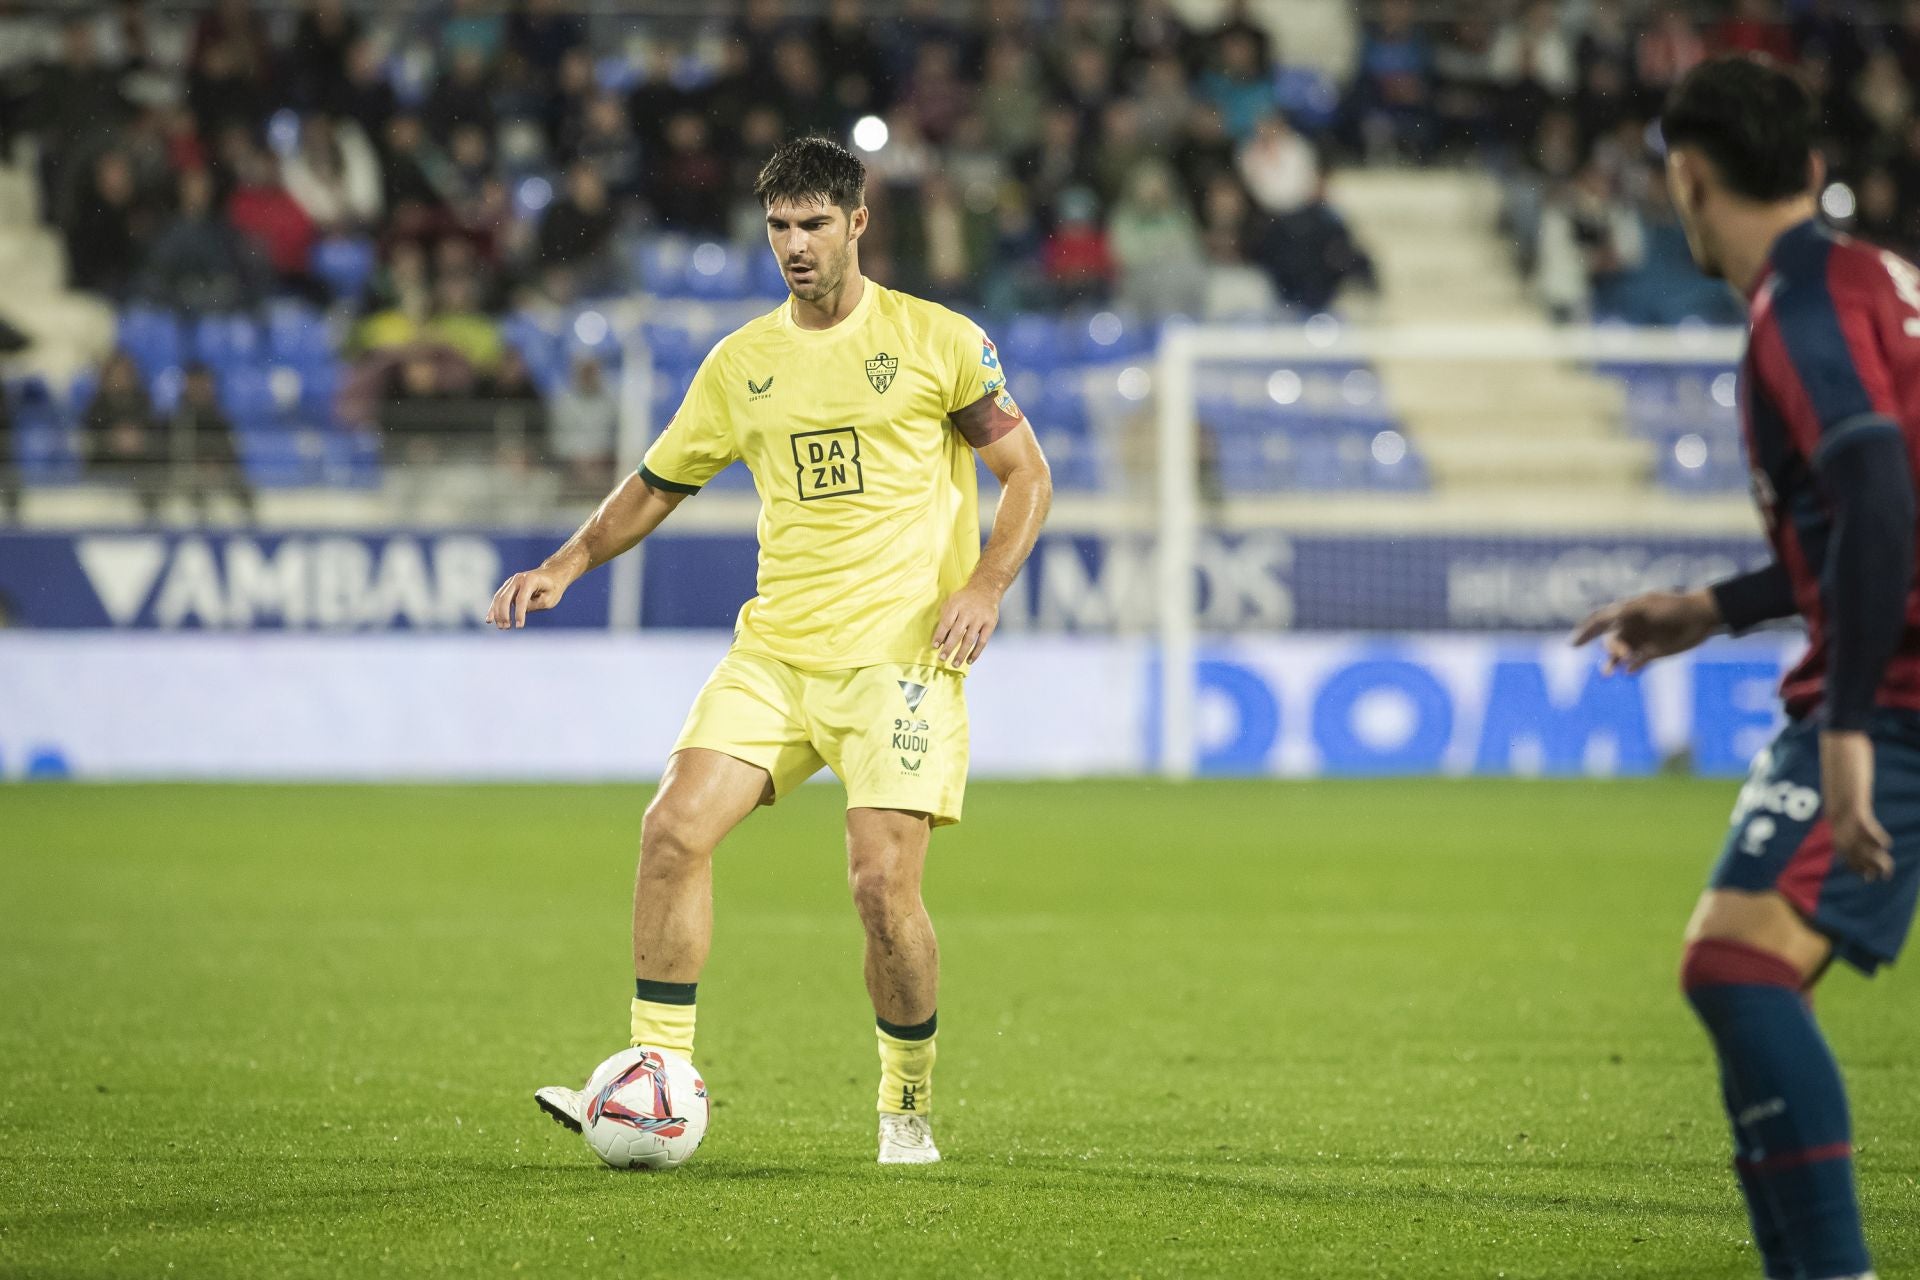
(1185, 368)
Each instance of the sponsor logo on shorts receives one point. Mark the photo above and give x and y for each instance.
(913, 693)
(1785, 799)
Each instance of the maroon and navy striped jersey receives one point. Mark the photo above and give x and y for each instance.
(1833, 348)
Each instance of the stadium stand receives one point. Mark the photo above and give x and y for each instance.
(389, 240)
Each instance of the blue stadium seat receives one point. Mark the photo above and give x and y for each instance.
(297, 334)
(1309, 97)
(1032, 342)
(345, 265)
(80, 393)
(664, 262)
(718, 273)
(47, 452)
(764, 278)
(151, 337)
(226, 342)
(670, 345)
(247, 395)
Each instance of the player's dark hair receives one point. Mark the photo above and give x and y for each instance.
(1752, 117)
(812, 170)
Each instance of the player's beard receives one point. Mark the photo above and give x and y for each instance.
(828, 275)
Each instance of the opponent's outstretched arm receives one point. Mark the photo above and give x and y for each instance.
(971, 614)
(631, 512)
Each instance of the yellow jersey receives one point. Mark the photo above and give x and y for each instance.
(869, 508)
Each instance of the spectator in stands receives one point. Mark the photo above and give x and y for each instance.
(1163, 101)
(1880, 218)
(1058, 162)
(935, 96)
(1310, 255)
(656, 98)
(1667, 49)
(106, 228)
(474, 29)
(228, 84)
(118, 438)
(607, 142)
(459, 323)
(198, 262)
(1532, 61)
(203, 453)
(262, 210)
(413, 171)
(73, 106)
(576, 235)
(1239, 84)
(424, 404)
(1011, 101)
(1156, 246)
(1205, 150)
(1076, 257)
(1754, 26)
(335, 176)
(1120, 150)
(322, 49)
(363, 95)
(1279, 166)
(1466, 96)
(851, 58)
(1588, 237)
(462, 96)
(688, 190)
(1391, 107)
(1153, 30)
(1884, 95)
(582, 424)
(800, 91)
(543, 32)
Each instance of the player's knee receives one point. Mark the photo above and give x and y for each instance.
(881, 894)
(670, 845)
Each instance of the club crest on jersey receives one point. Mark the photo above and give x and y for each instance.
(880, 371)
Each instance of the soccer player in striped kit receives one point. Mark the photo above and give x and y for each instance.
(1822, 860)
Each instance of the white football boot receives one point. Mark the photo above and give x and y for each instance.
(566, 1106)
(906, 1140)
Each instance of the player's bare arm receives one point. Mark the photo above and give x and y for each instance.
(971, 614)
(1659, 624)
(631, 512)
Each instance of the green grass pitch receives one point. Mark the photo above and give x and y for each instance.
(1416, 1029)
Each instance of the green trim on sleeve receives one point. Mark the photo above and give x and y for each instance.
(653, 481)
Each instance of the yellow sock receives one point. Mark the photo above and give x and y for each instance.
(664, 1024)
(906, 1068)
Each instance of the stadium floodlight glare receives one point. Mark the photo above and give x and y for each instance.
(1725, 386)
(870, 133)
(1837, 201)
(591, 328)
(1134, 383)
(1690, 451)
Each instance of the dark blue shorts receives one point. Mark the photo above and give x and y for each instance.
(1780, 840)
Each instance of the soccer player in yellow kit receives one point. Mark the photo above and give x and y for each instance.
(858, 410)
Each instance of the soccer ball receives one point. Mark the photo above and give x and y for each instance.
(645, 1109)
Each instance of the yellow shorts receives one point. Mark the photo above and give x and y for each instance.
(895, 734)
